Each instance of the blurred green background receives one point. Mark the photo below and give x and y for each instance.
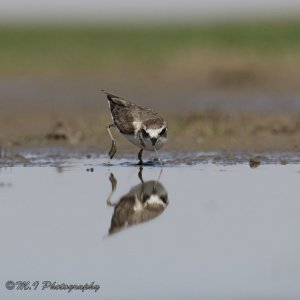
(94, 48)
(223, 77)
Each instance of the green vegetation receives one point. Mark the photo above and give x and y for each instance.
(45, 49)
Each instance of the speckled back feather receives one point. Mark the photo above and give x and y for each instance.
(125, 113)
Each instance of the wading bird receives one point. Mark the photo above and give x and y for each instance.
(142, 126)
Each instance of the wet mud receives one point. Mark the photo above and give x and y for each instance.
(56, 157)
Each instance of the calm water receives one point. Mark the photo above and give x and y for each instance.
(203, 231)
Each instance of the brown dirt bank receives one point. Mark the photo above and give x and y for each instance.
(197, 131)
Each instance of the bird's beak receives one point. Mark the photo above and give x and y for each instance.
(153, 141)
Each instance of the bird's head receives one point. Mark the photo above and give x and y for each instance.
(155, 133)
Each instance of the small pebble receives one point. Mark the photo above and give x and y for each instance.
(254, 162)
(284, 161)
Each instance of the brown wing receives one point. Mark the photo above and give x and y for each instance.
(123, 118)
(121, 113)
(124, 113)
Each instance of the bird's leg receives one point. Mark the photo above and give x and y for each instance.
(140, 157)
(113, 148)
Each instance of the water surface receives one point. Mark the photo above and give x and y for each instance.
(203, 231)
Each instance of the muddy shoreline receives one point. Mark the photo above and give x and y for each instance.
(70, 156)
(188, 132)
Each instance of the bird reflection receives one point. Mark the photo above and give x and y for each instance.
(142, 203)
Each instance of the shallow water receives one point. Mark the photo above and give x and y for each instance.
(208, 231)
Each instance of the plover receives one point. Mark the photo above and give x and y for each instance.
(142, 126)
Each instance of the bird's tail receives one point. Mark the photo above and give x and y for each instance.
(115, 99)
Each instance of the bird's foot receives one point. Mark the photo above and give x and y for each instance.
(140, 163)
(113, 149)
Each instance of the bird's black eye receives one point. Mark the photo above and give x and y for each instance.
(144, 132)
(163, 131)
